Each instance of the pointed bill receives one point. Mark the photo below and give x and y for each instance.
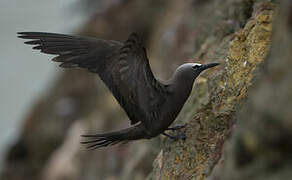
(207, 66)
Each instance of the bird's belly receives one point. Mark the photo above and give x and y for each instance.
(169, 117)
(160, 125)
(166, 117)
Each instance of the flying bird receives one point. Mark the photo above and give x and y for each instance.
(150, 104)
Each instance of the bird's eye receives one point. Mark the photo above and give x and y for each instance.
(196, 66)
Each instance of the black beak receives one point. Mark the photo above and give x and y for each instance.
(207, 66)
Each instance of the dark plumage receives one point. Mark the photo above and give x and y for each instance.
(124, 67)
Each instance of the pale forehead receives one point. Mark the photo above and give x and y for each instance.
(191, 64)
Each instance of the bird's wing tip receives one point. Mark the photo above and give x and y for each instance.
(31, 33)
(25, 33)
(134, 35)
(22, 35)
(83, 135)
(88, 135)
(135, 38)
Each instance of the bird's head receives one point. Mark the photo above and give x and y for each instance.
(194, 69)
(198, 68)
(190, 71)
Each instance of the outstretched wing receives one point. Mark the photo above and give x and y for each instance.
(124, 68)
(72, 51)
(134, 79)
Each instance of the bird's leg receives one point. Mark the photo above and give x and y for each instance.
(177, 127)
(180, 135)
(177, 137)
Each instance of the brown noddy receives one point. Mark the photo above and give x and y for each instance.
(151, 105)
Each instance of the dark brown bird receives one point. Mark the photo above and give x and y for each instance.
(151, 105)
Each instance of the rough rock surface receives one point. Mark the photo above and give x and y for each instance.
(261, 146)
(211, 111)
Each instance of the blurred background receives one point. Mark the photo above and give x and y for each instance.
(44, 109)
(25, 76)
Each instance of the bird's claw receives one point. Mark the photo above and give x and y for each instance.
(179, 136)
(177, 127)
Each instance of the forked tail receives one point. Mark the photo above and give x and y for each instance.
(108, 139)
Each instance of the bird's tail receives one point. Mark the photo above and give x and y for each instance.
(108, 139)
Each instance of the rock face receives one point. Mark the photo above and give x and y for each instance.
(237, 34)
(210, 113)
(261, 145)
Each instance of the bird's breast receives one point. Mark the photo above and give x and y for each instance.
(170, 111)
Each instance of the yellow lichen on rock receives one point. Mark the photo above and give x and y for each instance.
(248, 48)
(212, 108)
